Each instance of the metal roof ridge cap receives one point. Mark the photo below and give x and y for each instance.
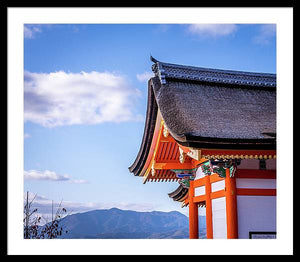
(225, 71)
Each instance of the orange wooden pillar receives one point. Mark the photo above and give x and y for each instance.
(193, 213)
(209, 226)
(231, 206)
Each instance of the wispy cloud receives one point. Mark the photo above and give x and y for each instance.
(79, 181)
(163, 28)
(144, 77)
(30, 31)
(63, 98)
(50, 176)
(266, 34)
(26, 135)
(212, 30)
(45, 175)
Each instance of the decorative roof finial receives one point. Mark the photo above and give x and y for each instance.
(153, 59)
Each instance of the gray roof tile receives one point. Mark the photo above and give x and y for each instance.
(215, 104)
(181, 72)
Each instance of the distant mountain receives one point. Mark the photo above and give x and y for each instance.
(126, 224)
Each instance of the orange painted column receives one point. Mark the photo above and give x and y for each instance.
(193, 213)
(231, 206)
(209, 226)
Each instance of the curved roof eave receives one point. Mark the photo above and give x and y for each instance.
(150, 122)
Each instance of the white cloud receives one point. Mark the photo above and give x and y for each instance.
(144, 77)
(267, 32)
(50, 176)
(212, 30)
(30, 31)
(79, 181)
(36, 198)
(45, 175)
(61, 98)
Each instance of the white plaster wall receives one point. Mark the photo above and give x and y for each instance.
(199, 191)
(249, 164)
(254, 164)
(219, 218)
(271, 164)
(216, 186)
(199, 173)
(256, 213)
(256, 183)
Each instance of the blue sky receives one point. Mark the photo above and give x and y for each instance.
(85, 97)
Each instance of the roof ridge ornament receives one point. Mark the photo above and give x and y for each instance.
(158, 70)
(153, 59)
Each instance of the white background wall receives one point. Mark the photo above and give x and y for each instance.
(256, 213)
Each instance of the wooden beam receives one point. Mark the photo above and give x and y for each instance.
(191, 152)
(231, 206)
(217, 194)
(193, 214)
(169, 139)
(200, 161)
(255, 173)
(215, 178)
(198, 199)
(238, 154)
(185, 149)
(186, 201)
(255, 192)
(199, 182)
(209, 223)
(168, 165)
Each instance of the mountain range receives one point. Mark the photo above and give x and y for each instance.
(115, 223)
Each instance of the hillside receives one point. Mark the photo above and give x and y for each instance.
(126, 224)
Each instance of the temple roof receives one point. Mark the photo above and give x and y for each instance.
(179, 194)
(203, 107)
(206, 108)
